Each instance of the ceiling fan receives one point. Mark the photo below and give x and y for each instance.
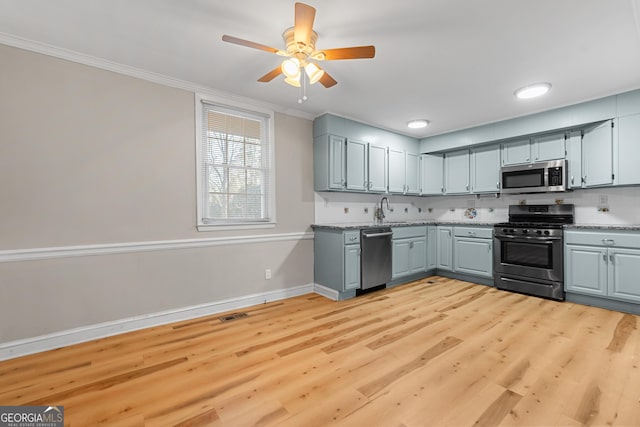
(300, 41)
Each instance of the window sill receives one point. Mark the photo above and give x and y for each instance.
(239, 226)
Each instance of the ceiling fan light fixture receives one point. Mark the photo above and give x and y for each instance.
(314, 72)
(291, 68)
(532, 91)
(417, 124)
(293, 81)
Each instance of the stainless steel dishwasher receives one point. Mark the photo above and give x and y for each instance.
(375, 264)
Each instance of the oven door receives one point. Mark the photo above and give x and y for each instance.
(529, 256)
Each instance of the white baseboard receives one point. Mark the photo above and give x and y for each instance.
(332, 294)
(55, 340)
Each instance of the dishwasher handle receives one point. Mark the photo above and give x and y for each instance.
(388, 233)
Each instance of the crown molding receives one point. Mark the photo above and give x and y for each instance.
(150, 76)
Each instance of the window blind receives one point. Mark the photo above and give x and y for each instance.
(235, 166)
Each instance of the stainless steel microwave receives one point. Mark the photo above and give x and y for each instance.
(541, 177)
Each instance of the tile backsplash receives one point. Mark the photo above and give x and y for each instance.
(592, 206)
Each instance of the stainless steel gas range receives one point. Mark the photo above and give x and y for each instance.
(528, 252)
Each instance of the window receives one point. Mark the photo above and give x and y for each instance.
(235, 173)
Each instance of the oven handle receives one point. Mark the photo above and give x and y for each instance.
(542, 239)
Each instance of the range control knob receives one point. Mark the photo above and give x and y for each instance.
(546, 232)
(539, 231)
(504, 230)
(525, 231)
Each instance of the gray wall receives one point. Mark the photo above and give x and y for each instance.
(87, 157)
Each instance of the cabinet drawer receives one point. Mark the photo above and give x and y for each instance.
(479, 232)
(625, 239)
(408, 232)
(352, 237)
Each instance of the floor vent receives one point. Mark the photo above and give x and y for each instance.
(233, 316)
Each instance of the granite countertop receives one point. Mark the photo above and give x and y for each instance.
(357, 226)
(622, 227)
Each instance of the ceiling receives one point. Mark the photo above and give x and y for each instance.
(453, 62)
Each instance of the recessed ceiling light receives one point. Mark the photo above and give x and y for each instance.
(418, 124)
(532, 91)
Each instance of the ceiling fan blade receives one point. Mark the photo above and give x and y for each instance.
(241, 42)
(348, 53)
(303, 26)
(327, 80)
(271, 75)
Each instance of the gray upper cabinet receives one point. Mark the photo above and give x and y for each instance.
(404, 169)
(516, 152)
(597, 155)
(397, 171)
(431, 174)
(357, 167)
(412, 173)
(548, 147)
(628, 149)
(377, 168)
(329, 158)
(574, 159)
(485, 169)
(456, 172)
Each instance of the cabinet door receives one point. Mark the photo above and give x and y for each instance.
(548, 147)
(445, 250)
(586, 270)
(574, 159)
(516, 152)
(412, 179)
(597, 155)
(417, 248)
(397, 171)
(337, 163)
(432, 234)
(485, 169)
(351, 266)
(456, 172)
(431, 174)
(400, 258)
(357, 166)
(473, 256)
(377, 168)
(624, 270)
(628, 149)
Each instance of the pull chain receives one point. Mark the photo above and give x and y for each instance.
(303, 88)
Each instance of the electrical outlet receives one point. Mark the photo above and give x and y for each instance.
(267, 274)
(603, 200)
(346, 210)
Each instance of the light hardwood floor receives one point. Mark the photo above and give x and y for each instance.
(435, 352)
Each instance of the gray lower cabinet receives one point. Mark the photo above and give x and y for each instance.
(444, 248)
(409, 251)
(432, 237)
(337, 259)
(473, 251)
(603, 264)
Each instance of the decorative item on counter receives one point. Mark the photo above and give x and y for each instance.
(471, 213)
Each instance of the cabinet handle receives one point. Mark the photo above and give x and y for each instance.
(608, 241)
(604, 256)
(410, 245)
(611, 258)
(498, 184)
(352, 238)
(467, 187)
(572, 180)
(584, 179)
(472, 233)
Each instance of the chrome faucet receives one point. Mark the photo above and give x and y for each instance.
(379, 214)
